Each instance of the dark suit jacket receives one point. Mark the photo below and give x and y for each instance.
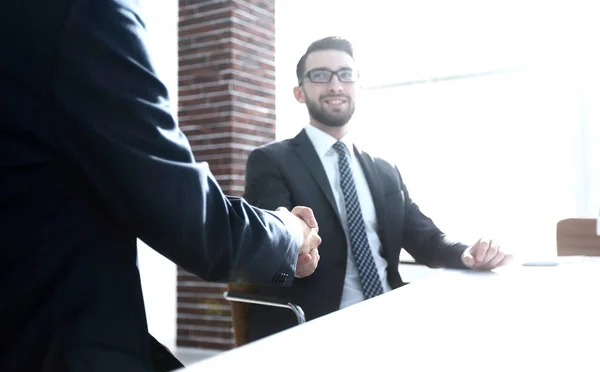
(290, 173)
(90, 159)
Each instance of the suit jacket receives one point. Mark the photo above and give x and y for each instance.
(290, 173)
(91, 159)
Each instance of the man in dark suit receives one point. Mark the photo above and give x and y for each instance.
(90, 160)
(365, 213)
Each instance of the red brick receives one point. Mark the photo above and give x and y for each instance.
(226, 108)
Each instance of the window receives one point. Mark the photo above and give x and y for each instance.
(499, 155)
(489, 109)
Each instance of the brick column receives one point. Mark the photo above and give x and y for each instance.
(226, 108)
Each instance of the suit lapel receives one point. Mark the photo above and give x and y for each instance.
(306, 151)
(374, 181)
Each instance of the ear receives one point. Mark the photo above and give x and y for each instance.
(299, 94)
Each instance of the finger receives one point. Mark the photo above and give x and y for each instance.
(315, 240)
(315, 260)
(318, 256)
(467, 258)
(491, 253)
(311, 241)
(495, 261)
(304, 258)
(302, 273)
(307, 264)
(305, 272)
(481, 250)
(307, 215)
(304, 266)
(508, 258)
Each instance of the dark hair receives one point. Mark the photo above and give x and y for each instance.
(327, 43)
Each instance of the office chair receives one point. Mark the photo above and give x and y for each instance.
(577, 237)
(240, 296)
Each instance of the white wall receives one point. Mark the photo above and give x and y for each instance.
(405, 40)
(159, 276)
(592, 137)
(504, 155)
(500, 156)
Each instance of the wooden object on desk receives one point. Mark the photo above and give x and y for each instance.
(577, 237)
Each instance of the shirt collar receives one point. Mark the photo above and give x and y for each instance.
(323, 142)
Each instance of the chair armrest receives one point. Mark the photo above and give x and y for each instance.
(266, 301)
(410, 263)
(407, 259)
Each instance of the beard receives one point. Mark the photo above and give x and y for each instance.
(338, 118)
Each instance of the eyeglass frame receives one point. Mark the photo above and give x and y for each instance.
(333, 73)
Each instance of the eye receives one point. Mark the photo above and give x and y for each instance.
(346, 75)
(320, 75)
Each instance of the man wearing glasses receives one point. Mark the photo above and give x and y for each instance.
(363, 208)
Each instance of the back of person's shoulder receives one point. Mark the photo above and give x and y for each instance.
(30, 31)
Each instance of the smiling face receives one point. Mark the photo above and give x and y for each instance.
(329, 98)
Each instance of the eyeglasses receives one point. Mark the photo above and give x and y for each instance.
(324, 76)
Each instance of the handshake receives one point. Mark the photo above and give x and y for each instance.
(304, 219)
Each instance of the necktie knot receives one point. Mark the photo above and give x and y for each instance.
(340, 148)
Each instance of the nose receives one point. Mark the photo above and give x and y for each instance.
(335, 85)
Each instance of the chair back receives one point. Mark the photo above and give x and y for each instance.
(239, 314)
(577, 237)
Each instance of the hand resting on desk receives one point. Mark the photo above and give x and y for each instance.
(485, 255)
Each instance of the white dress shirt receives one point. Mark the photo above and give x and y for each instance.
(323, 143)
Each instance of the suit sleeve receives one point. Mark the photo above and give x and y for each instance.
(424, 240)
(265, 187)
(124, 140)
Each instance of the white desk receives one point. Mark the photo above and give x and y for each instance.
(516, 319)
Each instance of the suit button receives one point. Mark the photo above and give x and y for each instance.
(279, 278)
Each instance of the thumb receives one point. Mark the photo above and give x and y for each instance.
(467, 258)
(307, 215)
